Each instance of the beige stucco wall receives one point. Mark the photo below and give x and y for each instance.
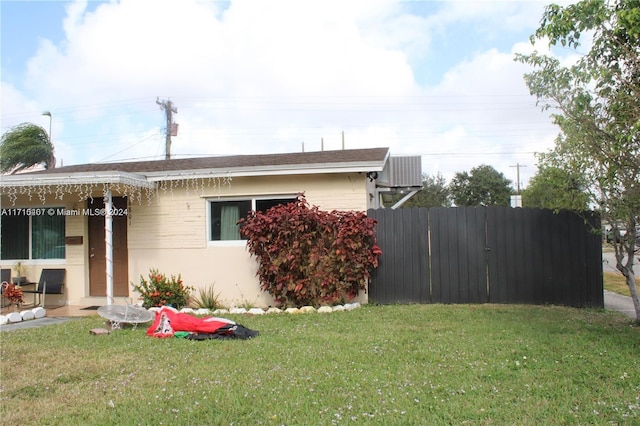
(171, 233)
(168, 231)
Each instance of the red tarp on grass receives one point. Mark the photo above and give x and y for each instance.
(168, 321)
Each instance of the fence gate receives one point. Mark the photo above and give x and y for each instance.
(488, 255)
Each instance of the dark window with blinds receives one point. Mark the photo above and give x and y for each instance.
(25, 237)
(225, 215)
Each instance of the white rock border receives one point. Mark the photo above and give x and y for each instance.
(272, 310)
(26, 315)
(40, 312)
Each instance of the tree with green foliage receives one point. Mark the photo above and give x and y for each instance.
(595, 104)
(554, 188)
(24, 146)
(434, 193)
(482, 186)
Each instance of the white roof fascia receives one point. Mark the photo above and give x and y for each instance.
(147, 180)
(79, 178)
(295, 169)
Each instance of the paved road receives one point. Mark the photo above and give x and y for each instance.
(609, 262)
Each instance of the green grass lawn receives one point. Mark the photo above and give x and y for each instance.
(616, 282)
(390, 365)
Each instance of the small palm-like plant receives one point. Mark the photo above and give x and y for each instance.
(207, 298)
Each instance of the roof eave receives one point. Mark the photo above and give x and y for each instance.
(148, 179)
(297, 169)
(79, 178)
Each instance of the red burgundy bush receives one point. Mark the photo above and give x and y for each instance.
(311, 257)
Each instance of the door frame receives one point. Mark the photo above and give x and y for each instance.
(96, 261)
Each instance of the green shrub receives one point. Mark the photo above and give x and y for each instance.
(311, 257)
(159, 290)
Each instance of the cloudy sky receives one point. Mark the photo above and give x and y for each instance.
(429, 78)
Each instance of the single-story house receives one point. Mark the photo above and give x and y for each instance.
(178, 216)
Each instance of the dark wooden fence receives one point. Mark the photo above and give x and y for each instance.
(488, 255)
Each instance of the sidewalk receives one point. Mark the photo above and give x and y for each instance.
(54, 316)
(35, 323)
(620, 303)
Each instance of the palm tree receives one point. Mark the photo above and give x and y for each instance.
(25, 145)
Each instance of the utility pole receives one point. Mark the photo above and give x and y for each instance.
(172, 128)
(517, 166)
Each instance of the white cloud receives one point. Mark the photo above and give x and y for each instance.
(267, 76)
(18, 101)
(495, 120)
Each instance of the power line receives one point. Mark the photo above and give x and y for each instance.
(128, 148)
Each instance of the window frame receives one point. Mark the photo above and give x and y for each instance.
(30, 245)
(252, 199)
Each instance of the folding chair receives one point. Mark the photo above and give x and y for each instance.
(51, 282)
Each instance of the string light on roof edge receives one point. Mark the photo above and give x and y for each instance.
(129, 188)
